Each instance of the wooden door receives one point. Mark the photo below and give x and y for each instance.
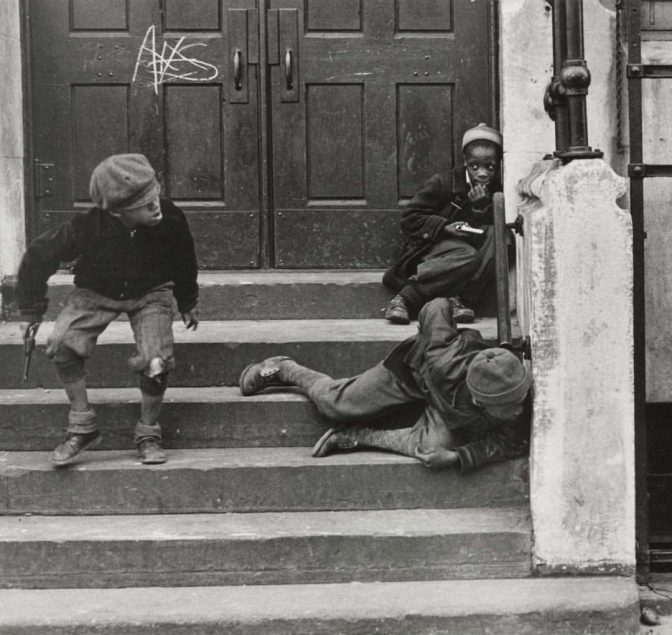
(174, 79)
(353, 102)
(369, 98)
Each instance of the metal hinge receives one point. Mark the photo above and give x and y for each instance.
(44, 179)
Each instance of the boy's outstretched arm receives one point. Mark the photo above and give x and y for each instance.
(186, 274)
(41, 260)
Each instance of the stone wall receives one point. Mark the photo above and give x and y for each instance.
(12, 211)
(578, 257)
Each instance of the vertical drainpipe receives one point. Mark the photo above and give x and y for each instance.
(565, 99)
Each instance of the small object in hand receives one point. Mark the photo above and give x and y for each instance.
(29, 347)
(468, 229)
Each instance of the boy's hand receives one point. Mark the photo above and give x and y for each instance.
(438, 457)
(190, 319)
(479, 197)
(452, 230)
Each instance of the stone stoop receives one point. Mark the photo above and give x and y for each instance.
(241, 531)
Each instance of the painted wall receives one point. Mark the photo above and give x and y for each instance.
(578, 255)
(12, 211)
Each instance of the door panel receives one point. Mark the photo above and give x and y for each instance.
(369, 98)
(111, 76)
(366, 100)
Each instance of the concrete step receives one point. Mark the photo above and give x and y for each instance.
(268, 548)
(35, 419)
(220, 417)
(564, 606)
(276, 294)
(247, 480)
(218, 351)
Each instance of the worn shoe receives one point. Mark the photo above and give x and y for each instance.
(397, 311)
(334, 440)
(261, 375)
(461, 312)
(73, 445)
(150, 452)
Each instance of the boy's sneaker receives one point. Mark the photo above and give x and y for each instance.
(397, 311)
(73, 445)
(461, 313)
(150, 452)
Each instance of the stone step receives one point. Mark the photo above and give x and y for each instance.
(261, 295)
(247, 480)
(213, 417)
(563, 606)
(267, 548)
(218, 351)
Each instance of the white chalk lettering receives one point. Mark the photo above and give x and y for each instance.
(172, 63)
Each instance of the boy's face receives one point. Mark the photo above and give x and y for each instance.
(149, 214)
(482, 162)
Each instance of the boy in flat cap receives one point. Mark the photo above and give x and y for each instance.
(134, 254)
(474, 397)
(442, 257)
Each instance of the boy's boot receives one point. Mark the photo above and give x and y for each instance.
(397, 311)
(461, 312)
(277, 371)
(148, 441)
(83, 433)
(352, 438)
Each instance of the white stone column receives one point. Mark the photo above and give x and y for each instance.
(12, 210)
(578, 257)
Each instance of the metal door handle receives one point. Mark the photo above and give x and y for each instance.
(237, 69)
(289, 71)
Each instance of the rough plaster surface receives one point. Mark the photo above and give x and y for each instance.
(12, 210)
(526, 67)
(579, 267)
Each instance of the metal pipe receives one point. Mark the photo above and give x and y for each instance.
(558, 102)
(501, 272)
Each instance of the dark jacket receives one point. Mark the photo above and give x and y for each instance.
(111, 260)
(438, 358)
(441, 201)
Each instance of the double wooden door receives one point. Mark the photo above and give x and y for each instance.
(290, 131)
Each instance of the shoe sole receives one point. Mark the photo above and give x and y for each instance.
(465, 319)
(398, 320)
(241, 380)
(88, 446)
(320, 443)
(153, 461)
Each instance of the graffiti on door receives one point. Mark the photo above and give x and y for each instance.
(174, 62)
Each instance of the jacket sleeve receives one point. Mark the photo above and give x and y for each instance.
(506, 441)
(186, 269)
(40, 261)
(422, 219)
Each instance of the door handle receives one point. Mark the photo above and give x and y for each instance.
(238, 69)
(289, 70)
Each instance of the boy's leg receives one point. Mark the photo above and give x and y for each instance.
(443, 272)
(152, 323)
(84, 318)
(482, 280)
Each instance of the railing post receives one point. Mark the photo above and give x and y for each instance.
(501, 272)
(565, 99)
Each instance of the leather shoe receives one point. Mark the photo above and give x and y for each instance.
(462, 314)
(150, 452)
(397, 311)
(73, 445)
(260, 375)
(333, 440)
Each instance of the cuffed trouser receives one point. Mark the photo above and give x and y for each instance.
(453, 267)
(86, 315)
(379, 391)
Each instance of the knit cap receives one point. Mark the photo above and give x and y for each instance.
(123, 181)
(481, 132)
(496, 377)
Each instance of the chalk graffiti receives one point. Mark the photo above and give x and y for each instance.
(172, 63)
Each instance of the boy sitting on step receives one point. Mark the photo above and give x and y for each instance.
(473, 396)
(134, 253)
(449, 249)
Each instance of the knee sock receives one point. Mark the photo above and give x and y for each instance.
(413, 298)
(297, 375)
